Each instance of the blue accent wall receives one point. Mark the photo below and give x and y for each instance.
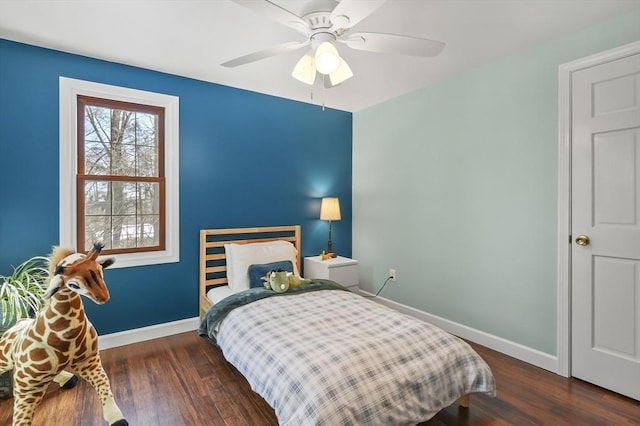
(246, 159)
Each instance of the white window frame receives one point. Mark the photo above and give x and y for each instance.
(69, 90)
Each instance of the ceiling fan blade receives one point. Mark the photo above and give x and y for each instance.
(349, 12)
(393, 43)
(266, 53)
(276, 13)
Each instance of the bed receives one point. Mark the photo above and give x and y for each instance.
(320, 354)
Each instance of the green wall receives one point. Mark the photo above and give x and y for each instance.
(455, 187)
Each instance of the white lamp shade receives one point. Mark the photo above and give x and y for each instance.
(330, 209)
(305, 69)
(327, 58)
(341, 74)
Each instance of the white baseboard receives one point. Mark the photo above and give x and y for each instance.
(136, 335)
(515, 350)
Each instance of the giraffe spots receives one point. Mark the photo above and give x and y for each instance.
(31, 373)
(76, 304)
(38, 354)
(19, 375)
(62, 358)
(61, 307)
(32, 336)
(40, 328)
(82, 329)
(80, 343)
(23, 358)
(24, 346)
(72, 334)
(5, 349)
(56, 342)
(60, 324)
(43, 366)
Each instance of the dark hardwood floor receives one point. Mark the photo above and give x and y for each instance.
(184, 380)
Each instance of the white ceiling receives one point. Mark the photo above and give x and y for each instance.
(192, 37)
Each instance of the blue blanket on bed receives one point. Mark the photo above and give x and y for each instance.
(221, 309)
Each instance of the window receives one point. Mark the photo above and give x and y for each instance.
(120, 176)
(119, 172)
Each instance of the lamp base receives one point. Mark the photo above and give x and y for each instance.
(327, 256)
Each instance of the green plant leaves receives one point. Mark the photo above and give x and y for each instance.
(21, 292)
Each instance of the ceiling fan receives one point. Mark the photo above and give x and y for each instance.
(322, 29)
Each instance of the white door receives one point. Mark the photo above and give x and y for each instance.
(605, 194)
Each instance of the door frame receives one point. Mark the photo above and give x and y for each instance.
(565, 71)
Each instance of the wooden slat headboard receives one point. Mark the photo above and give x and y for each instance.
(213, 263)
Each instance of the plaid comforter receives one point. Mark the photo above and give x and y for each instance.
(336, 358)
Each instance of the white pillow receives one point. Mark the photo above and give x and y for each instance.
(241, 256)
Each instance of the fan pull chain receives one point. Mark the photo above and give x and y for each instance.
(311, 95)
(324, 79)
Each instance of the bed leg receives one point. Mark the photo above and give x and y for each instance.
(463, 401)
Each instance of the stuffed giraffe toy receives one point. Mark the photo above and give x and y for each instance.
(60, 337)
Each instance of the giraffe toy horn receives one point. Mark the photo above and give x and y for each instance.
(95, 251)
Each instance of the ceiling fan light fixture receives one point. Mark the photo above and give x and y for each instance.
(327, 58)
(323, 29)
(343, 73)
(305, 70)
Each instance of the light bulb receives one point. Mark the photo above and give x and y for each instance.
(327, 58)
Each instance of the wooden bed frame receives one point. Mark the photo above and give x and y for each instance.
(213, 261)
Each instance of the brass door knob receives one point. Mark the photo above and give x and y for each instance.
(582, 240)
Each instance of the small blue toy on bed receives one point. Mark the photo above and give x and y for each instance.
(281, 281)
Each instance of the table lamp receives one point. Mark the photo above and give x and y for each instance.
(330, 210)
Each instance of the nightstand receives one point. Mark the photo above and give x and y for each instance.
(340, 269)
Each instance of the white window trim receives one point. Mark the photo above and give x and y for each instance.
(69, 90)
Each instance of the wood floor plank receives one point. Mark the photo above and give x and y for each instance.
(183, 380)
